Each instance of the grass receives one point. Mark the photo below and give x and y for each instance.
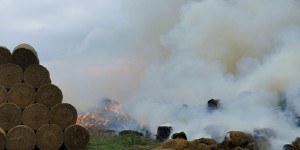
(124, 142)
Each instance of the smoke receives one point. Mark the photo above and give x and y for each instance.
(242, 52)
(164, 59)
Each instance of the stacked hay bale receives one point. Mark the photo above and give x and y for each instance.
(32, 115)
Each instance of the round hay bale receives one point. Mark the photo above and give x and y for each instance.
(35, 116)
(20, 137)
(49, 95)
(2, 138)
(76, 137)
(175, 144)
(22, 94)
(239, 138)
(3, 94)
(63, 115)
(5, 55)
(49, 137)
(24, 55)
(37, 75)
(10, 116)
(10, 74)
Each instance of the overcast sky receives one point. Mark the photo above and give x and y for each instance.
(92, 48)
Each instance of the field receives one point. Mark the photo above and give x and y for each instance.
(124, 142)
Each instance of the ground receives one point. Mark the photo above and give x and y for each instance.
(126, 142)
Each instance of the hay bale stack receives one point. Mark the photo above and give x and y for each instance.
(24, 55)
(26, 85)
(3, 94)
(35, 116)
(2, 138)
(49, 95)
(37, 75)
(10, 74)
(22, 94)
(49, 137)
(5, 55)
(63, 115)
(20, 137)
(76, 137)
(10, 116)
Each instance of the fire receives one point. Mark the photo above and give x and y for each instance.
(107, 115)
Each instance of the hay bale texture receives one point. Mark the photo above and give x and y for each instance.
(10, 116)
(49, 95)
(24, 55)
(49, 137)
(20, 137)
(5, 55)
(35, 116)
(2, 138)
(22, 94)
(37, 75)
(10, 74)
(25, 85)
(63, 115)
(76, 137)
(3, 94)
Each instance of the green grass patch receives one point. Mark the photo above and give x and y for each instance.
(118, 142)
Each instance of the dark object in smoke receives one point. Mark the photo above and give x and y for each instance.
(131, 132)
(49, 95)
(180, 135)
(10, 116)
(5, 55)
(288, 147)
(20, 137)
(24, 55)
(185, 106)
(3, 94)
(35, 116)
(163, 133)
(2, 138)
(10, 74)
(297, 121)
(63, 115)
(213, 104)
(282, 104)
(22, 94)
(296, 143)
(239, 139)
(49, 137)
(37, 75)
(76, 137)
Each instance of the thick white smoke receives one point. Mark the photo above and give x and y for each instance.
(158, 55)
(242, 52)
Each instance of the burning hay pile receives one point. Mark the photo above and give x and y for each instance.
(32, 114)
(108, 115)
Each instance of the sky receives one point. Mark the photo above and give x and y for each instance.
(154, 56)
(92, 48)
